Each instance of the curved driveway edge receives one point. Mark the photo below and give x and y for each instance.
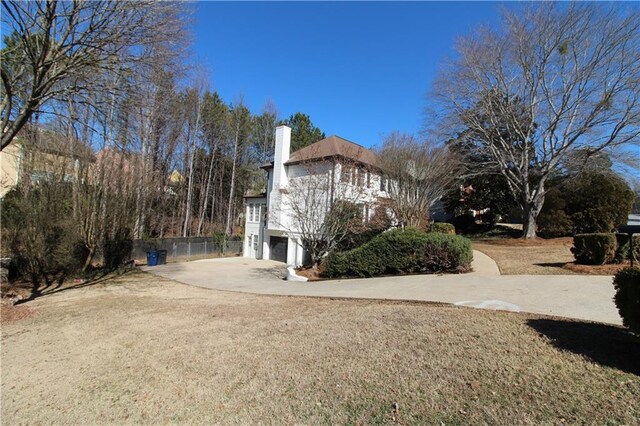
(573, 296)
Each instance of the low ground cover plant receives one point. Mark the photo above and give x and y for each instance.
(403, 251)
(627, 298)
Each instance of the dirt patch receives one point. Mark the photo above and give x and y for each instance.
(10, 313)
(141, 349)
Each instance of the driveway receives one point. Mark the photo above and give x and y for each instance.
(573, 296)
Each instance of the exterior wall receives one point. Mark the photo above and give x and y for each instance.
(15, 161)
(285, 187)
(10, 159)
(254, 226)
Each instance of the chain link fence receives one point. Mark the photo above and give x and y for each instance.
(185, 249)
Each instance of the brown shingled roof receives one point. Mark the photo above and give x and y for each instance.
(335, 146)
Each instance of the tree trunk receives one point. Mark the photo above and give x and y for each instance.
(229, 227)
(531, 211)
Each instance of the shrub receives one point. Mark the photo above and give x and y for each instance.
(553, 221)
(622, 252)
(117, 250)
(627, 298)
(40, 232)
(444, 228)
(359, 232)
(589, 202)
(403, 251)
(466, 224)
(594, 249)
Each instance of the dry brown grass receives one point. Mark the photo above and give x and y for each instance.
(516, 256)
(522, 257)
(139, 349)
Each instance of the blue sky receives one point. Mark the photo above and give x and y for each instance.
(359, 69)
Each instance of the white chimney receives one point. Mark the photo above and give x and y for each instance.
(281, 155)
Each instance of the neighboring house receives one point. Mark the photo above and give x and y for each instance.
(351, 170)
(52, 157)
(633, 220)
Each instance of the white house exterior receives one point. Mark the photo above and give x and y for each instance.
(350, 172)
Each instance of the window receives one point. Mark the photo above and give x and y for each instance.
(345, 174)
(383, 184)
(360, 177)
(254, 212)
(368, 179)
(255, 243)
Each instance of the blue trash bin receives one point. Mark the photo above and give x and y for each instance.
(152, 258)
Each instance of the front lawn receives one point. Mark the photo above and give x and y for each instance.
(139, 349)
(516, 256)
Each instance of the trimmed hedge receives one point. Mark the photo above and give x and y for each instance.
(403, 251)
(627, 298)
(594, 249)
(622, 252)
(443, 227)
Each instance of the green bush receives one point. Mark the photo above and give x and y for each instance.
(403, 251)
(589, 202)
(627, 298)
(622, 252)
(444, 228)
(594, 249)
(553, 220)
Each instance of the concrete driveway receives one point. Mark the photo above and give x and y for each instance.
(572, 296)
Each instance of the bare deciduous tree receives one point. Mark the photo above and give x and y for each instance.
(420, 174)
(550, 80)
(317, 208)
(56, 50)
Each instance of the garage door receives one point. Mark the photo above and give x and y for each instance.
(278, 248)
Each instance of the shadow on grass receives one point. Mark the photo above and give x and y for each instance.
(488, 233)
(607, 345)
(552, 264)
(97, 278)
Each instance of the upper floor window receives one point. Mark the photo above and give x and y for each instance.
(383, 183)
(359, 177)
(253, 214)
(345, 174)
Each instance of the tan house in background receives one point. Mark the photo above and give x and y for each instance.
(52, 157)
(10, 167)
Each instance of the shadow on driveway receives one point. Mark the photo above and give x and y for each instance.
(606, 345)
(279, 272)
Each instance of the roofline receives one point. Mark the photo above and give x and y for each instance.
(331, 157)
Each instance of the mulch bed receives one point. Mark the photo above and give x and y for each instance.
(610, 269)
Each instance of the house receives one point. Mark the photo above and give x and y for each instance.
(308, 181)
(47, 156)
